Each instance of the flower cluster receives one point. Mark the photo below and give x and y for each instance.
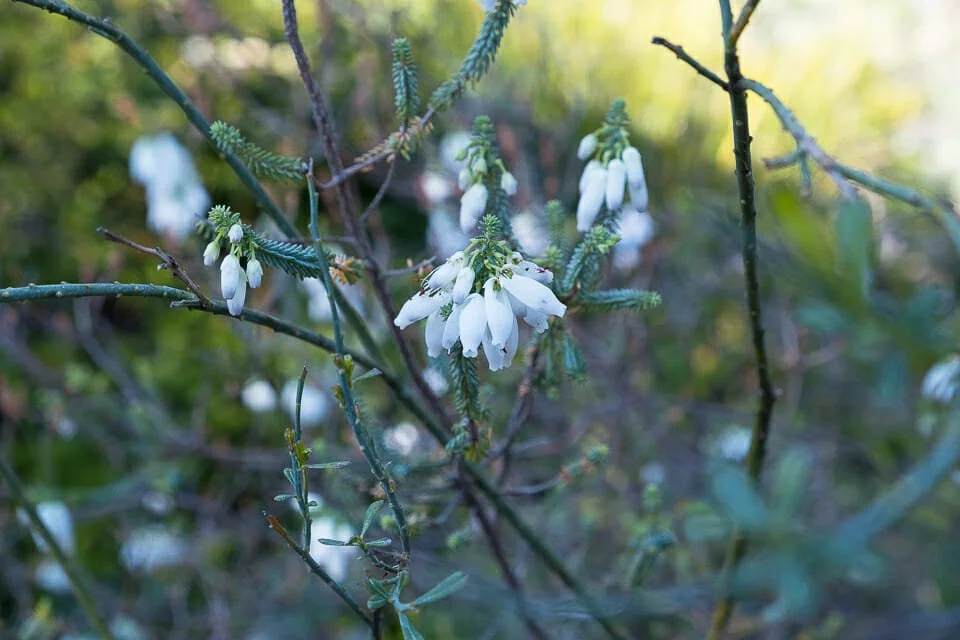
(479, 174)
(476, 297)
(176, 198)
(614, 170)
(234, 276)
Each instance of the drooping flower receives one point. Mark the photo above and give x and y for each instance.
(588, 144)
(463, 284)
(235, 304)
(636, 231)
(211, 253)
(508, 183)
(420, 306)
(472, 205)
(254, 273)
(235, 234)
(230, 276)
(616, 180)
(594, 186)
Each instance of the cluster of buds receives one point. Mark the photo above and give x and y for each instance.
(482, 172)
(476, 298)
(234, 276)
(614, 171)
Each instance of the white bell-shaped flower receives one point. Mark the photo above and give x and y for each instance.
(451, 331)
(591, 166)
(211, 253)
(420, 306)
(235, 304)
(472, 205)
(587, 146)
(254, 273)
(235, 234)
(473, 322)
(463, 284)
(230, 276)
(634, 166)
(500, 316)
(591, 200)
(534, 295)
(616, 181)
(532, 270)
(434, 333)
(508, 183)
(444, 275)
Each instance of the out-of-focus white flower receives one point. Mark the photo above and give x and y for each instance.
(176, 199)
(436, 381)
(634, 166)
(158, 502)
(594, 183)
(451, 145)
(942, 380)
(57, 519)
(653, 473)
(259, 396)
(235, 234)
(508, 183)
(530, 233)
(402, 438)
(472, 205)
(152, 548)
(335, 560)
(314, 404)
(444, 233)
(50, 576)
(435, 187)
(254, 273)
(318, 305)
(587, 146)
(636, 231)
(616, 182)
(65, 427)
(733, 444)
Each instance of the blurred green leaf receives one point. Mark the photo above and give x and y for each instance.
(733, 489)
(854, 229)
(372, 512)
(446, 587)
(406, 627)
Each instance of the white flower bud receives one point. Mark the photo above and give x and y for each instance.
(592, 166)
(616, 181)
(211, 253)
(536, 296)
(235, 234)
(587, 146)
(499, 314)
(419, 307)
(463, 178)
(479, 165)
(592, 198)
(235, 304)
(254, 273)
(230, 276)
(508, 183)
(443, 276)
(473, 322)
(634, 165)
(463, 284)
(472, 205)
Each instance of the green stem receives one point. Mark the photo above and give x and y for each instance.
(319, 571)
(742, 21)
(364, 439)
(748, 223)
(77, 583)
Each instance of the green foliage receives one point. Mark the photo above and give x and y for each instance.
(263, 163)
(478, 59)
(466, 384)
(854, 232)
(406, 96)
(617, 299)
(585, 260)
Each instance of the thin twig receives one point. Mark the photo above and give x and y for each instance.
(317, 570)
(167, 262)
(496, 547)
(382, 191)
(518, 415)
(77, 583)
(742, 21)
(683, 55)
(414, 268)
(748, 222)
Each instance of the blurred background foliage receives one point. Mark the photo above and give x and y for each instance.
(115, 407)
